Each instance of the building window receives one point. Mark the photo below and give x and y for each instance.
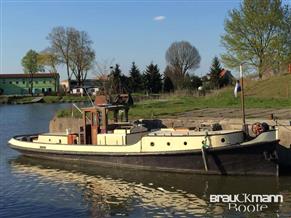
(23, 82)
(16, 82)
(10, 82)
(44, 82)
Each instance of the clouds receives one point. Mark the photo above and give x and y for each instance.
(159, 18)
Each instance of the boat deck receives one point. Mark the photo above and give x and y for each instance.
(185, 132)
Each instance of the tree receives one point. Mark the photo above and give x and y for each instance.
(196, 81)
(125, 82)
(102, 72)
(252, 35)
(60, 39)
(135, 79)
(49, 60)
(215, 70)
(74, 49)
(115, 79)
(82, 55)
(31, 66)
(286, 34)
(152, 79)
(168, 85)
(182, 57)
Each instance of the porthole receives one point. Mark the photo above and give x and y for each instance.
(152, 144)
(185, 143)
(49, 140)
(60, 141)
(168, 143)
(223, 140)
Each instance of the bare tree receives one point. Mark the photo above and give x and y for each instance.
(181, 58)
(61, 44)
(81, 56)
(74, 49)
(102, 71)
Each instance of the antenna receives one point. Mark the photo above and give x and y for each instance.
(89, 97)
(80, 110)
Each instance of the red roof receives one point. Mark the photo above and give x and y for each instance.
(222, 73)
(35, 75)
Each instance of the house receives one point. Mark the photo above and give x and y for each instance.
(82, 90)
(91, 85)
(20, 84)
(226, 78)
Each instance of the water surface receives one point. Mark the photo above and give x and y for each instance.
(40, 188)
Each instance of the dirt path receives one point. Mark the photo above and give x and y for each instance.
(220, 113)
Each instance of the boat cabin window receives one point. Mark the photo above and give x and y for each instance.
(88, 117)
(100, 119)
(95, 121)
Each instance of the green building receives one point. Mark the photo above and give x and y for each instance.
(20, 84)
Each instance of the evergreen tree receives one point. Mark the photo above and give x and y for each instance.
(152, 79)
(135, 79)
(115, 79)
(169, 78)
(214, 73)
(196, 81)
(168, 84)
(125, 83)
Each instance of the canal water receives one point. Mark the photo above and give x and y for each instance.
(38, 188)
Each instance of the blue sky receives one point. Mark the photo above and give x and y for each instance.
(125, 31)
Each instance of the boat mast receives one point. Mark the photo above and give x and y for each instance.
(245, 128)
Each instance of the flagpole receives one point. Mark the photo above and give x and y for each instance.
(243, 100)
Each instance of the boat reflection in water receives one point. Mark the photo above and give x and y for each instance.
(117, 191)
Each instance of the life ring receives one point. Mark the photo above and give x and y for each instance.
(257, 128)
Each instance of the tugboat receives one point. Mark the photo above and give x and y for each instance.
(125, 144)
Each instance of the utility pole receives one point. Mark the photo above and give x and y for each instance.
(245, 128)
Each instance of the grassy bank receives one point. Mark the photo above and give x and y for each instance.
(273, 93)
(223, 99)
(170, 105)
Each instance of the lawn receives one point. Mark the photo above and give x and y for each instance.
(222, 99)
(168, 105)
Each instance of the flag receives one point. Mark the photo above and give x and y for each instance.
(237, 88)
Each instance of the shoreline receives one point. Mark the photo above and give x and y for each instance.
(13, 100)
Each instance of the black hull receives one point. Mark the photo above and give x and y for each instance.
(255, 159)
(284, 159)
